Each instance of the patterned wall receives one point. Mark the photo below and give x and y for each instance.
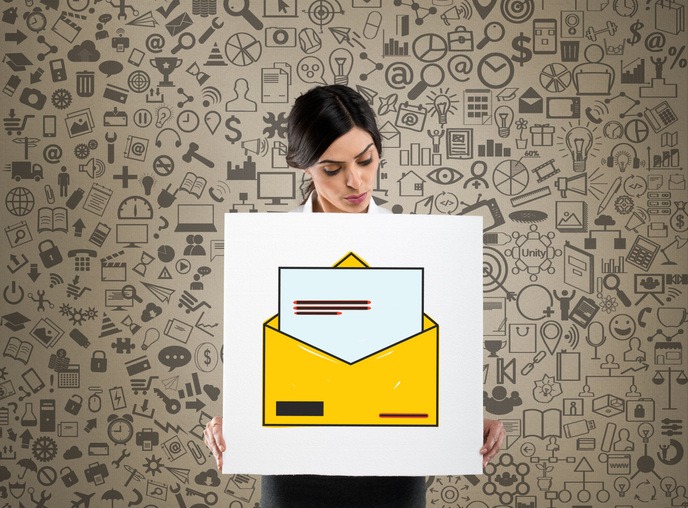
(131, 127)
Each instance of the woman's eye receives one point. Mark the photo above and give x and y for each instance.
(331, 173)
(367, 161)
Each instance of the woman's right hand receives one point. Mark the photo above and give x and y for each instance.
(214, 440)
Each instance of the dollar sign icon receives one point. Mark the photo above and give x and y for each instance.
(237, 133)
(524, 53)
(635, 28)
(207, 357)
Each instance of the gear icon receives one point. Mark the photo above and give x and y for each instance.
(44, 449)
(65, 309)
(91, 313)
(153, 465)
(77, 316)
(624, 205)
(61, 98)
(92, 144)
(81, 151)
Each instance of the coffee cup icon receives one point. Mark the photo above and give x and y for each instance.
(672, 316)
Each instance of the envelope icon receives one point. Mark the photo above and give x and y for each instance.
(391, 136)
(397, 385)
(179, 24)
(530, 102)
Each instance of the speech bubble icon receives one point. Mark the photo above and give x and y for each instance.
(105, 18)
(310, 69)
(174, 356)
(204, 270)
(110, 67)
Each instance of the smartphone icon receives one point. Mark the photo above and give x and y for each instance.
(57, 70)
(33, 380)
(49, 126)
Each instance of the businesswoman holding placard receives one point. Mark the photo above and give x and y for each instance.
(333, 136)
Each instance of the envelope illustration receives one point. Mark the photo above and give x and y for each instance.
(530, 102)
(365, 376)
(179, 24)
(391, 136)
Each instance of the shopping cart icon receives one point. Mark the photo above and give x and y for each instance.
(13, 123)
(142, 385)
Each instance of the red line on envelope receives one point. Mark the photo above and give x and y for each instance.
(331, 302)
(403, 415)
(324, 307)
(317, 313)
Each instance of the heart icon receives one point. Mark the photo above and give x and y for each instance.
(484, 8)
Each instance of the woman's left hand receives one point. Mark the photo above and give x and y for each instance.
(493, 437)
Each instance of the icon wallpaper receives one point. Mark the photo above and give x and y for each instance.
(132, 127)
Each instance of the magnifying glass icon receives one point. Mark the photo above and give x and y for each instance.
(129, 292)
(611, 282)
(431, 75)
(21, 234)
(186, 40)
(494, 32)
(234, 8)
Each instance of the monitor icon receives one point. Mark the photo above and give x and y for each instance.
(276, 186)
(131, 234)
(115, 299)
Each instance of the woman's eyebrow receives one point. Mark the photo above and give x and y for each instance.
(342, 162)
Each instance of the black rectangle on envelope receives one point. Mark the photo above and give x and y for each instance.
(299, 408)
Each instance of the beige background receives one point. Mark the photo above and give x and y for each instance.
(581, 459)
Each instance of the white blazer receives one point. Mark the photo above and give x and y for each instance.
(307, 207)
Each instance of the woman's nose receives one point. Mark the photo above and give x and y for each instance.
(353, 177)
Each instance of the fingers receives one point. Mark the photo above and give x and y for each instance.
(493, 440)
(214, 440)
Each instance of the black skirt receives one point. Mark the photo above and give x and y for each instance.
(315, 491)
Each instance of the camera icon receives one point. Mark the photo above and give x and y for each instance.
(280, 37)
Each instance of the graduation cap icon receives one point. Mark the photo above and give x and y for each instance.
(15, 321)
(17, 61)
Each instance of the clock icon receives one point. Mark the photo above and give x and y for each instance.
(120, 429)
(135, 207)
(187, 121)
(35, 20)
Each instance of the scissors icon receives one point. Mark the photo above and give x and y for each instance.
(611, 281)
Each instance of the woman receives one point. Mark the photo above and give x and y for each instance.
(333, 137)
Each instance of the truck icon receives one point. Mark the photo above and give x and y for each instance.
(24, 170)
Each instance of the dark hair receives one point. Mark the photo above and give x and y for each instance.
(320, 116)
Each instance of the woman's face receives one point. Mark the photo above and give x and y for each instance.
(344, 174)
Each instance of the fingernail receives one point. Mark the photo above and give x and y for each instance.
(223, 448)
(483, 450)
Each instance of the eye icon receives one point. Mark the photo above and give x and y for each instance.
(445, 176)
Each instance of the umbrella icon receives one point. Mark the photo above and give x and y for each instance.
(111, 495)
(27, 464)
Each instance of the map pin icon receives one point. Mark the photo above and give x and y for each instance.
(212, 120)
(551, 335)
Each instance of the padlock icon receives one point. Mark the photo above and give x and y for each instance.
(69, 478)
(73, 406)
(50, 256)
(639, 411)
(98, 361)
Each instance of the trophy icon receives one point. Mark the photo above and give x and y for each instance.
(166, 65)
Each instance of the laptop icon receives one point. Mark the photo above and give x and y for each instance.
(195, 218)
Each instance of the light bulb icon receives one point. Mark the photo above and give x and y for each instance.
(623, 156)
(162, 116)
(151, 337)
(579, 142)
(622, 484)
(442, 103)
(504, 117)
(341, 62)
(147, 182)
(668, 485)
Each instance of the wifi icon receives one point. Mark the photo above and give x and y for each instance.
(55, 279)
(673, 293)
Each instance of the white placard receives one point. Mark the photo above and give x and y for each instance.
(285, 409)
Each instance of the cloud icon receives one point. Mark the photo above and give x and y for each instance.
(605, 220)
(212, 391)
(72, 453)
(208, 478)
(84, 52)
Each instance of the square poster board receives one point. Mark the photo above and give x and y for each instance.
(352, 344)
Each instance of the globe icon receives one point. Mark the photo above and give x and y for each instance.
(19, 201)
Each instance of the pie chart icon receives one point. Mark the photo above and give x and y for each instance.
(555, 77)
(243, 49)
(429, 48)
(510, 177)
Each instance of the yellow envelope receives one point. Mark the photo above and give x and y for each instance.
(397, 386)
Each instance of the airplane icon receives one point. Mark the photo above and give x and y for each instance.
(84, 500)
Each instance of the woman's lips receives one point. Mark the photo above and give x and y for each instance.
(356, 199)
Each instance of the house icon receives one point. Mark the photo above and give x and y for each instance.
(410, 184)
